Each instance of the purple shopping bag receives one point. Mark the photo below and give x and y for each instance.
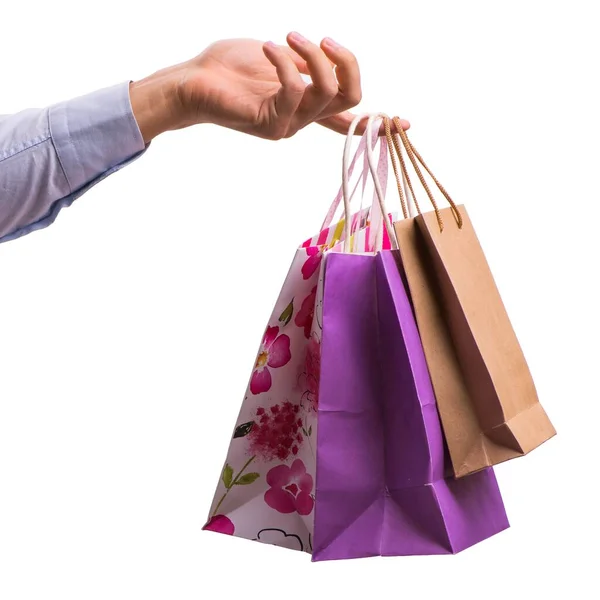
(380, 486)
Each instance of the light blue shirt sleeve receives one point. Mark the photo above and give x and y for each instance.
(51, 156)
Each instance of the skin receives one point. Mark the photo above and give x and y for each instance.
(253, 87)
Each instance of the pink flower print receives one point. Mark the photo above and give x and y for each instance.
(312, 262)
(220, 524)
(309, 379)
(274, 353)
(276, 432)
(304, 317)
(291, 489)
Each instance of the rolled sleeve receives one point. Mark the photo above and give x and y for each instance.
(94, 134)
(88, 138)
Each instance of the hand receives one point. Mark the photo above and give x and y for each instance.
(253, 87)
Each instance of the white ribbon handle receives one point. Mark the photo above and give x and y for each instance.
(363, 177)
(378, 209)
(382, 175)
(380, 193)
(346, 172)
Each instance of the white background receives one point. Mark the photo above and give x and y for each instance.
(129, 327)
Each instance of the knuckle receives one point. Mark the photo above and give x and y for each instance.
(353, 97)
(296, 87)
(347, 58)
(329, 89)
(278, 131)
(350, 58)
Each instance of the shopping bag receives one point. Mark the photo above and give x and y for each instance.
(485, 393)
(354, 465)
(380, 486)
(266, 489)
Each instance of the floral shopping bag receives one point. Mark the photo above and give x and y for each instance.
(267, 487)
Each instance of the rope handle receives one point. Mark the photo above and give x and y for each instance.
(415, 158)
(394, 148)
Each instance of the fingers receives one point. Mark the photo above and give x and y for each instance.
(324, 87)
(298, 60)
(340, 123)
(348, 76)
(347, 72)
(291, 92)
(320, 101)
(335, 87)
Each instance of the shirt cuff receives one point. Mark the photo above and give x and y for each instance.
(94, 133)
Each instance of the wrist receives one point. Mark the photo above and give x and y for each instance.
(154, 101)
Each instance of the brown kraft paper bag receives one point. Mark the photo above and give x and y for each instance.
(485, 394)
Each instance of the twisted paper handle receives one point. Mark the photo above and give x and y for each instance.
(415, 159)
(392, 147)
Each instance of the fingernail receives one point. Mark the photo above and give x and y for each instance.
(271, 44)
(331, 43)
(297, 37)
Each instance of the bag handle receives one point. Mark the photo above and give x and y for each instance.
(347, 174)
(373, 167)
(415, 159)
(406, 182)
(381, 215)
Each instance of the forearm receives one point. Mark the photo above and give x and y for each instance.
(49, 157)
